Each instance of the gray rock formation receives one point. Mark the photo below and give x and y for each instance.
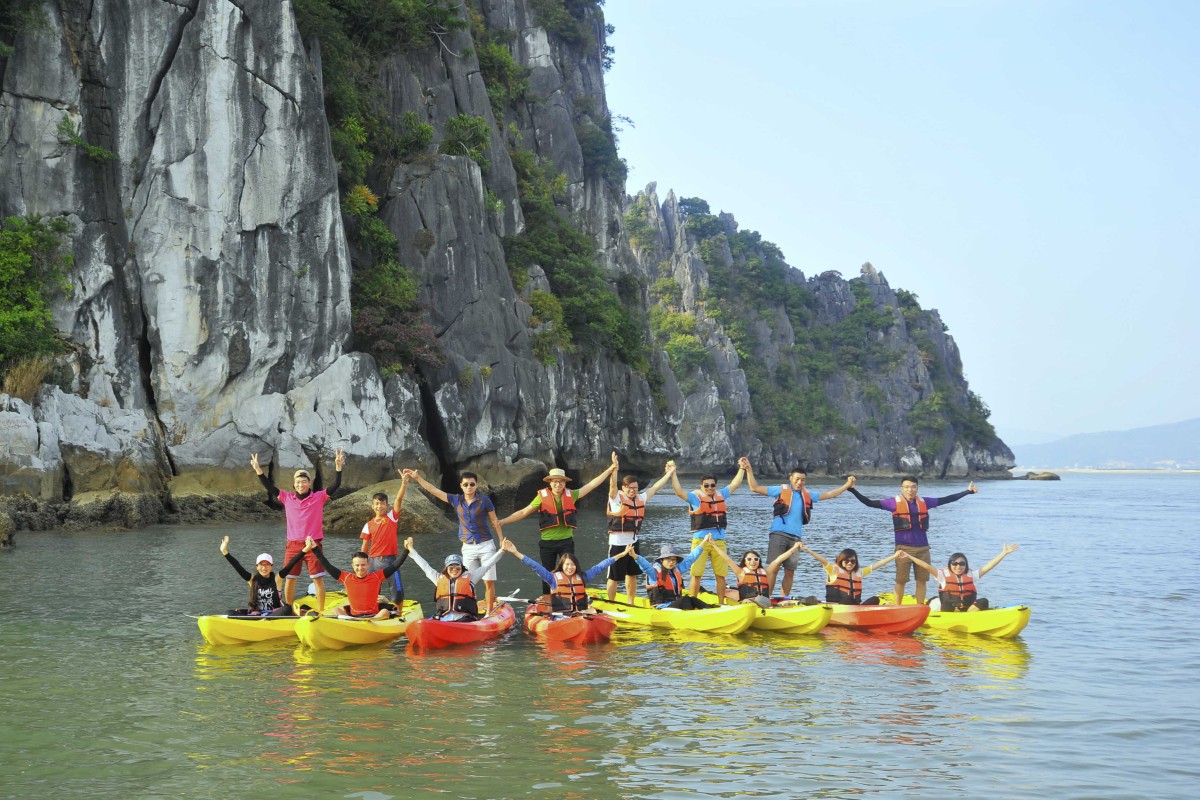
(210, 314)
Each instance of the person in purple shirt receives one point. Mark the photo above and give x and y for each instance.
(910, 519)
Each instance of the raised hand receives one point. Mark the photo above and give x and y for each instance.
(744, 463)
(225, 546)
(254, 463)
(339, 459)
(1008, 548)
(851, 481)
(408, 544)
(670, 467)
(615, 461)
(971, 488)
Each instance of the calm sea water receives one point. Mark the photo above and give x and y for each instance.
(108, 691)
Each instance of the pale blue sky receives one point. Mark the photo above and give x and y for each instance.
(1030, 169)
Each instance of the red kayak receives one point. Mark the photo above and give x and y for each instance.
(879, 619)
(435, 633)
(577, 629)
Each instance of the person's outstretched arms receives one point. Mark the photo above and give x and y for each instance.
(426, 485)
(866, 501)
(932, 570)
(886, 561)
(989, 566)
(679, 492)
(399, 501)
(754, 485)
(587, 488)
(832, 493)
(737, 480)
(430, 572)
(784, 556)
(666, 476)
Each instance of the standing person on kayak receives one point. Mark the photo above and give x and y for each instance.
(957, 590)
(476, 523)
(556, 514)
(843, 578)
(454, 588)
(792, 511)
(265, 597)
(753, 579)
(626, 511)
(664, 578)
(707, 510)
(568, 582)
(362, 585)
(304, 512)
(380, 539)
(910, 519)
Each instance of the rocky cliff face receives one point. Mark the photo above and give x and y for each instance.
(210, 313)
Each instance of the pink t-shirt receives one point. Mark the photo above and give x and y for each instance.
(304, 517)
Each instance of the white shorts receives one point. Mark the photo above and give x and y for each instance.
(475, 554)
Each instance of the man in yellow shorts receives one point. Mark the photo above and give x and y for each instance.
(707, 509)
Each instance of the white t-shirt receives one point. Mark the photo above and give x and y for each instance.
(622, 539)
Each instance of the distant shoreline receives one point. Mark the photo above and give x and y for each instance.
(1113, 471)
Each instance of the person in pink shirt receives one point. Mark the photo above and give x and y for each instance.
(304, 511)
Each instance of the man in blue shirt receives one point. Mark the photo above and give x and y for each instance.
(793, 508)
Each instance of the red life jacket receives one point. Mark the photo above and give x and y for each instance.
(753, 584)
(665, 587)
(902, 520)
(570, 593)
(548, 516)
(844, 589)
(457, 595)
(630, 518)
(711, 513)
(959, 592)
(783, 503)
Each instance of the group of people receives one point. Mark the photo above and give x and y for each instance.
(483, 544)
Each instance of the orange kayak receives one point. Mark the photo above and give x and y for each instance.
(879, 619)
(577, 629)
(434, 633)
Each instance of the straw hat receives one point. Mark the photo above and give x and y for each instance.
(557, 474)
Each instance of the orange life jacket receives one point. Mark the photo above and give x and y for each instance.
(959, 592)
(753, 584)
(664, 586)
(783, 503)
(631, 516)
(711, 513)
(457, 595)
(570, 593)
(548, 515)
(845, 589)
(902, 520)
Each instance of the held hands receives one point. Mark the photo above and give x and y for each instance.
(670, 468)
(850, 482)
(707, 541)
(744, 463)
(628, 551)
(404, 474)
(615, 461)
(901, 555)
(225, 546)
(309, 544)
(408, 544)
(339, 459)
(971, 488)
(510, 547)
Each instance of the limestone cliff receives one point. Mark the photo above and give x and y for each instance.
(211, 313)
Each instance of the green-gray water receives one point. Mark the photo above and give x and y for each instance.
(110, 692)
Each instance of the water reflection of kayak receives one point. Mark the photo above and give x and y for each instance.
(721, 619)
(435, 633)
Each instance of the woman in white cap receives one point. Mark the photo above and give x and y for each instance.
(454, 592)
(556, 514)
(265, 599)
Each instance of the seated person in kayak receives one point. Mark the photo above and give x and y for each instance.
(844, 580)
(265, 598)
(664, 578)
(956, 583)
(568, 583)
(362, 585)
(455, 589)
(753, 585)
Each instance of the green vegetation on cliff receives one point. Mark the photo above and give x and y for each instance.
(33, 266)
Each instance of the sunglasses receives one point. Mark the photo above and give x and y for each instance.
(708, 486)
(958, 563)
(468, 483)
(753, 558)
(850, 561)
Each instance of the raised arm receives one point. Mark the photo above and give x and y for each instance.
(866, 501)
(587, 488)
(885, 561)
(518, 515)
(679, 492)
(317, 550)
(989, 566)
(737, 480)
(832, 493)
(339, 461)
(705, 544)
(737, 569)
(474, 575)
(543, 573)
(233, 561)
(754, 485)
(399, 501)
(658, 484)
(824, 561)
(264, 479)
(594, 572)
(612, 488)
(950, 498)
(427, 486)
(430, 572)
(778, 562)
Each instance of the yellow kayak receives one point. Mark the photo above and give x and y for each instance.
(336, 633)
(1000, 623)
(224, 629)
(722, 619)
(794, 620)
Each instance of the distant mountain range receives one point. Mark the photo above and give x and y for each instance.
(1173, 446)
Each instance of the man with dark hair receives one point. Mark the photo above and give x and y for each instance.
(910, 520)
(362, 585)
(792, 511)
(707, 510)
(380, 539)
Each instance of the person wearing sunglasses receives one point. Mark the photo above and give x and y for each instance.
(844, 579)
(910, 520)
(476, 522)
(957, 589)
(753, 578)
(708, 516)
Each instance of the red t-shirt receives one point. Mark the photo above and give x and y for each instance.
(363, 593)
(379, 536)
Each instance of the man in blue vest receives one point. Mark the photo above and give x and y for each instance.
(910, 519)
(793, 508)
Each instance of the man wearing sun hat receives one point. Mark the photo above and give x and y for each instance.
(304, 511)
(556, 514)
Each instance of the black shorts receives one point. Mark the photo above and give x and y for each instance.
(623, 566)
